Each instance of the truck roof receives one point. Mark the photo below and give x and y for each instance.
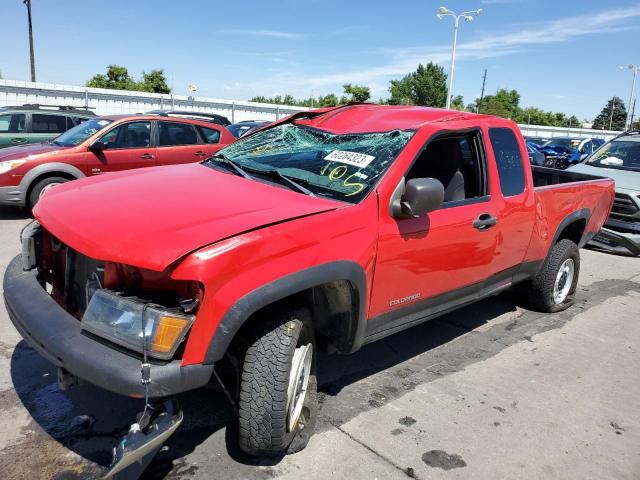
(368, 118)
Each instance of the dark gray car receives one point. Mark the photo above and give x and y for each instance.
(619, 159)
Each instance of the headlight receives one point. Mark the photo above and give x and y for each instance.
(10, 165)
(120, 320)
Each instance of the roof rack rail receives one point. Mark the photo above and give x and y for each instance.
(211, 117)
(38, 106)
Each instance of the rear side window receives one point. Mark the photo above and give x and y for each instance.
(42, 123)
(508, 159)
(209, 135)
(12, 123)
(176, 134)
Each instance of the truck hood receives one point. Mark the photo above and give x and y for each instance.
(33, 149)
(625, 179)
(151, 217)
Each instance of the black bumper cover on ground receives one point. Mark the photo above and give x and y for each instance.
(617, 241)
(56, 335)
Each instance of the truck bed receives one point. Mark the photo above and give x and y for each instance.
(543, 176)
(562, 196)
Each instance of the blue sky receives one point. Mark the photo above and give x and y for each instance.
(560, 55)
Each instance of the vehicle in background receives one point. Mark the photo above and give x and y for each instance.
(536, 157)
(101, 145)
(536, 140)
(619, 159)
(203, 116)
(354, 223)
(561, 152)
(33, 123)
(240, 129)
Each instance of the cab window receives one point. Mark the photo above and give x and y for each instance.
(508, 160)
(457, 161)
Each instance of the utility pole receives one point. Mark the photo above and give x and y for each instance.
(33, 60)
(613, 106)
(484, 81)
(635, 69)
(633, 111)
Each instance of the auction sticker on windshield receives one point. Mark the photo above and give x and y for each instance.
(356, 159)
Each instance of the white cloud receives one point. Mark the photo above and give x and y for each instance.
(263, 33)
(403, 60)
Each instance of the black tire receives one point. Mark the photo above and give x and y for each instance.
(37, 189)
(541, 294)
(262, 407)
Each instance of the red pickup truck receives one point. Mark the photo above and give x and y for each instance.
(324, 231)
(102, 145)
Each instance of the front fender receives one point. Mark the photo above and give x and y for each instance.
(270, 293)
(247, 272)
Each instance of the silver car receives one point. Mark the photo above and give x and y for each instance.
(619, 159)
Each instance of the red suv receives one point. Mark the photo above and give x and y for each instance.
(102, 145)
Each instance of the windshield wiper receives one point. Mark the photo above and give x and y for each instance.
(239, 170)
(291, 182)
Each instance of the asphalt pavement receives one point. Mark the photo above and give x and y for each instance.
(487, 392)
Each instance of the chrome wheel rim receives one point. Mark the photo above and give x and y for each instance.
(46, 188)
(298, 384)
(564, 280)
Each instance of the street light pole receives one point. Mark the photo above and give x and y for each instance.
(635, 69)
(33, 61)
(468, 16)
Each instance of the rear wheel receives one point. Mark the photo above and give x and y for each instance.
(41, 187)
(278, 390)
(553, 288)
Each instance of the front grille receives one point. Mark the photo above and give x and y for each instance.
(624, 205)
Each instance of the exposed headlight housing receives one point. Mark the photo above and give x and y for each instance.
(120, 320)
(10, 165)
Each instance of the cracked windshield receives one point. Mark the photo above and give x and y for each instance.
(343, 167)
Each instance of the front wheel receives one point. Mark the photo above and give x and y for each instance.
(278, 391)
(41, 187)
(553, 288)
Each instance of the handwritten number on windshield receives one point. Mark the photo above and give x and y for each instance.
(338, 173)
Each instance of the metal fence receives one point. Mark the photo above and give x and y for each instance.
(105, 102)
(540, 131)
(110, 102)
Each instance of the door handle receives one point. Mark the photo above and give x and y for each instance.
(18, 140)
(146, 156)
(484, 222)
(200, 153)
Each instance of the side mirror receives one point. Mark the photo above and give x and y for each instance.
(97, 146)
(417, 197)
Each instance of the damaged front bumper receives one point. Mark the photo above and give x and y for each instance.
(618, 236)
(58, 336)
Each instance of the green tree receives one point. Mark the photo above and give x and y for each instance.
(457, 102)
(613, 115)
(505, 103)
(118, 78)
(426, 86)
(154, 82)
(329, 100)
(358, 93)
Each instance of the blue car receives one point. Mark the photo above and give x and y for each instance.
(536, 157)
(561, 152)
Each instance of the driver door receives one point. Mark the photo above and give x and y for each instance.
(127, 146)
(423, 263)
